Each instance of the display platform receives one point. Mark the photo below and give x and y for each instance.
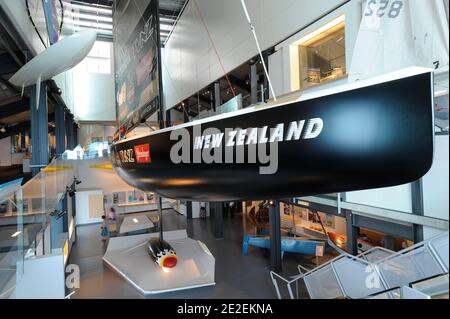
(135, 223)
(142, 206)
(195, 267)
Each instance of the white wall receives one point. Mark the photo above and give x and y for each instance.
(89, 130)
(5, 152)
(436, 181)
(89, 95)
(16, 12)
(99, 178)
(395, 198)
(190, 61)
(42, 278)
(281, 69)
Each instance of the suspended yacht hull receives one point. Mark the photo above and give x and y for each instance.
(368, 134)
(60, 57)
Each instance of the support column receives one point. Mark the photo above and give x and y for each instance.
(60, 136)
(185, 109)
(60, 130)
(65, 217)
(160, 82)
(69, 132)
(417, 208)
(189, 210)
(218, 220)
(75, 134)
(161, 234)
(266, 81)
(39, 129)
(253, 84)
(211, 98)
(168, 119)
(275, 237)
(217, 97)
(352, 234)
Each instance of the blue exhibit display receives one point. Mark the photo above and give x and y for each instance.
(288, 244)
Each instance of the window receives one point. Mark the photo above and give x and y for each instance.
(99, 59)
(321, 55)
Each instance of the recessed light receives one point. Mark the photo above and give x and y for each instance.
(135, 220)
(17, 233)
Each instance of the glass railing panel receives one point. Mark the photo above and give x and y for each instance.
(13, 241)
(25, 215)
(436, 287)
(323, 284)
(415, 265)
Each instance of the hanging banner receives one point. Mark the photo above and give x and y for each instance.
(136, 61)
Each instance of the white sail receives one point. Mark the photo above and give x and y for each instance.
(395, 34)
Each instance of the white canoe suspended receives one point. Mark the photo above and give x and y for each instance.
(60, 57)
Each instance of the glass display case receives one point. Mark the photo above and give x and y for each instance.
(322, 56)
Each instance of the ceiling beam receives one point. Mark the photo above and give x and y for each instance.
(16, 129)
(7, 64)
(14, 108)
(9, 85)
(23, 127)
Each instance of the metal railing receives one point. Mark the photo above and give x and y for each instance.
(372, 272)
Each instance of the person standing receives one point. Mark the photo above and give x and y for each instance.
(104, 228)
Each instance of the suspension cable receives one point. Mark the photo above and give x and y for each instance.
(214, 47)
(252, 28)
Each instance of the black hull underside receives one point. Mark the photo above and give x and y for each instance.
(375, 136)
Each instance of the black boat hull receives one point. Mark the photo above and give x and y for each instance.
(375, 136)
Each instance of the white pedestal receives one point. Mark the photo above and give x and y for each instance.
(195, 267)
(144, 206)
(135, 223)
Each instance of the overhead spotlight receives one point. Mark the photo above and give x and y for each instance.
(2, 129)
(59, 91)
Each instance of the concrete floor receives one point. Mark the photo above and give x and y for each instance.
(237, 276)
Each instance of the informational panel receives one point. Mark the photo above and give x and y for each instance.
(95, 206)
(136, 60)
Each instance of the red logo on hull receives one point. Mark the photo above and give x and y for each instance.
(142, 153)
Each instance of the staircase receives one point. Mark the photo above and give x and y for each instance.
(376, 272)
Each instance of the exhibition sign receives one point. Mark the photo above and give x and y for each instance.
(136, 56)
(367, 134)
